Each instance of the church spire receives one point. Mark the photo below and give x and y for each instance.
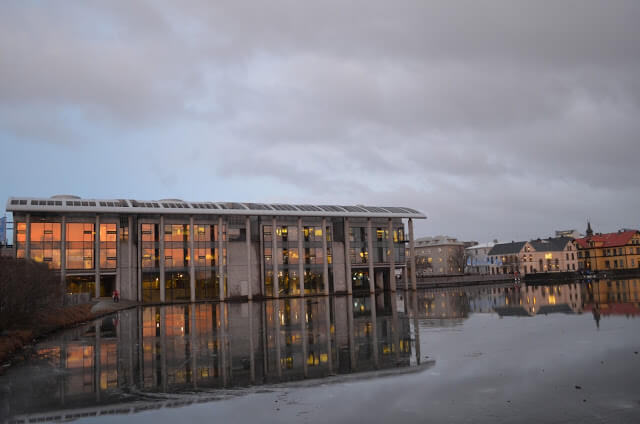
(589, 230)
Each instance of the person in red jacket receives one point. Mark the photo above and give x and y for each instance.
(116, 296)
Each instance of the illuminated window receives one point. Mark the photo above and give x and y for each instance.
(80, 238)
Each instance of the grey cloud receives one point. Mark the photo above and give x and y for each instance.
(515, 111)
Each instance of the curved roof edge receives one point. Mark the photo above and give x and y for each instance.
(176, 206)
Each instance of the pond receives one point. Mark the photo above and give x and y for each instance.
(496, 353)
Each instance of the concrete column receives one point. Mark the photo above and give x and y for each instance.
(305, 340)
(352, 342)
(193, 346)
(370, 257)
(374, 329)
(416, 324)
(412, 253)
(27, 243)
(161, 261)
(347, 257)
(276, 320)
(138, 259)
(392, 258)
(132, 286)
(163, 349)
(96, 259)
(220, 261)
(247, 226)
(252, 364)
(192, 262)
(325, 263)
(275, 282)
(96, 359)
(301, 261)
(63, 253)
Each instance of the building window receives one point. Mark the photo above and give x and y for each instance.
(80, 238)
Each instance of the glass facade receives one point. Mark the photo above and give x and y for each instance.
(21, 239)
(150, 286)
(81, 284)
(288, 257)
(108, 246)
(45, 241)
(79, 245)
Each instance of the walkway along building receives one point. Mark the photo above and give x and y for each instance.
(172, 250)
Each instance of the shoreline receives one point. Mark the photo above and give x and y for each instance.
(16, 340)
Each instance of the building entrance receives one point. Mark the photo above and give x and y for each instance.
(107, 285)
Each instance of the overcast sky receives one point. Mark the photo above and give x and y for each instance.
(497, 119)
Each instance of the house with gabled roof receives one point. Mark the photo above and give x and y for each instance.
(609, 251)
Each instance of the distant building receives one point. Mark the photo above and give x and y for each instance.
(554, 254)
(504, 258)
(477, 258)
(603, 252)
(3, 231)
(557, 254)
(439, 255)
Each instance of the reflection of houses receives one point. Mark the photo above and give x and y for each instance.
(206, 346)
(477, 258)
(611, 251)
(529, 300)
(173, 250)
(439, 255)
(613, 297)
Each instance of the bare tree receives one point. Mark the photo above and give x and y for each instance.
(27, 289)
(457, 259)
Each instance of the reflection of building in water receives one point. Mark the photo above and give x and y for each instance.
(529, 300)
(613, 297)
(504, 299)
(182, 348)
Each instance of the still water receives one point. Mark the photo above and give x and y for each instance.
(502, 353)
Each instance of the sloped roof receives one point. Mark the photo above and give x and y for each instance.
(507, 248)
(620, 238)
(551, 244)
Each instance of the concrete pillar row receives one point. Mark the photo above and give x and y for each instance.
(412, 252)
(372, 277)
(325, 263)
(275, 281)
(96, 259)
(161, 261)
(301, 258)
(347, 256)
(192, 262)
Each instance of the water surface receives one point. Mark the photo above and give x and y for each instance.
(503, 353)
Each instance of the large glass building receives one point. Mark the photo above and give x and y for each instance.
(171, 250)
